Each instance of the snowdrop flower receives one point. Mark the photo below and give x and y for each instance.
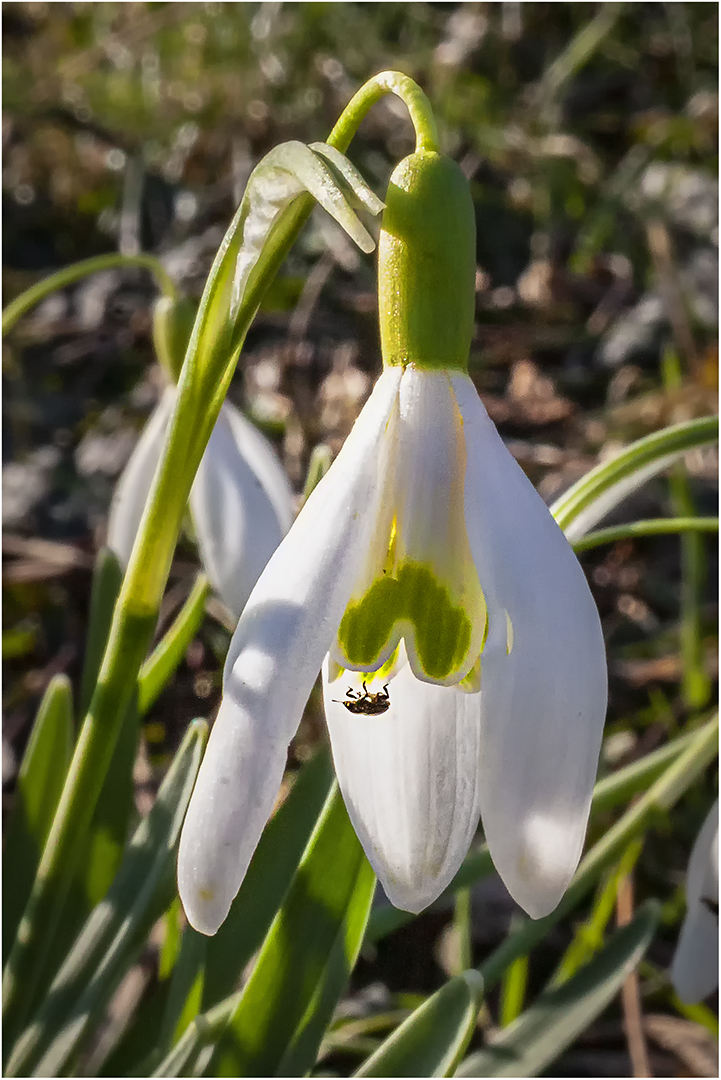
(694, 971)
(462, 654)
(241, 502)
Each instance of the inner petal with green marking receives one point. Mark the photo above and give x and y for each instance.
(416, 600)
(419, 583)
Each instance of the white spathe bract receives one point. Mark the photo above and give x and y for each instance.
(424, 562)
(241, 502)
(695, 967)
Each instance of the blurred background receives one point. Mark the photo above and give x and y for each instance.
(589, 135)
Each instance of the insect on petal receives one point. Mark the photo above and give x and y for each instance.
(409, 777)
(273, 661)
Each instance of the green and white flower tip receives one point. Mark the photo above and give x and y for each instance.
(241, 502)
(463, 661)
(694, 972)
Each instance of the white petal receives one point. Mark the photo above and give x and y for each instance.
(543, 681)
(695, 969)
(420, 555)
(273, 661)
(409, 777)
(241, 505)
(133, 488)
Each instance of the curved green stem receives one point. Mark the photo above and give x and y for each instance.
(642, 459)
(652, 527)
(387, 82)
(210, 361)
(70, 274)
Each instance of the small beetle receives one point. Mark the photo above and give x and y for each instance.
(366, 703)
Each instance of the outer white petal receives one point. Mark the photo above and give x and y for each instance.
(273, 661)
(242, 507)
(695, 968)
(543, 704)
(409, 778)
(133, 488)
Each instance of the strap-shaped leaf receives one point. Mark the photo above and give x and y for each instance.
(617, 788)
(107, 579)
(434, 1038)
(275, 1023)
(118, 926)
(610, 482)
(266, 883)
(186, 990)
(662, 795)
(101, 852)
(169, 652)
(40, 781)
(286, 985)
(540, 1034)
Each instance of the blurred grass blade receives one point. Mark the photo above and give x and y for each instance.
(321, 459)
(513, 991)
(575, 56)
(695, 682)
(107, 579)
(588, 937)
(186, 990)
(269, 875)
(40, 781)
(536, 1039)
(101, 853)
(653, 527)
(662, 795)
(434, 1038)
(117, 928)
(617, 788)
(328, 901)
(164, 660)
(76, 272)
(610, 482)
(304, 1047)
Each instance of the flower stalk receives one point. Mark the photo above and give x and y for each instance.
(219, 332)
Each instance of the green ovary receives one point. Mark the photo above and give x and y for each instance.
(442, 628)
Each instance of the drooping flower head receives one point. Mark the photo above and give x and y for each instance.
(695, 967)
(241, 502)
(463, 661)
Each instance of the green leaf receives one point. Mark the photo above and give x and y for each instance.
(588, 937)
(276, 1022)
(662, 795)
(328, 901)
(610, 482)
(107, 579)
(617, 788)
(652, 527)
(163, 662)
(40, 781)
(186, 990)
(117, 928)
(101, 852)
(76, 272)
(266, 883)
(434, 1038)
(539, 1035)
